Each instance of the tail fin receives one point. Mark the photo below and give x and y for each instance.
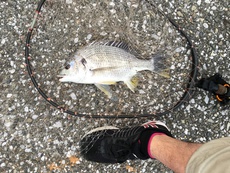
(160, 65)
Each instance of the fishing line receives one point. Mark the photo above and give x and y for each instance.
(188, 90)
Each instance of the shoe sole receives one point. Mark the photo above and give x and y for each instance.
(100, 129)
(150, 123)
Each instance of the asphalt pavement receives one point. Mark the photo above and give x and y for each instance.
(34, 137)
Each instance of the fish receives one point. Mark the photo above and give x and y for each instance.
(104, 64)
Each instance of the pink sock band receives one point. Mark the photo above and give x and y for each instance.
(149, 143)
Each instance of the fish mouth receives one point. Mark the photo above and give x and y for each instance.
(60, 77)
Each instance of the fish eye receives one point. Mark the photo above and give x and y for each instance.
(67, 66)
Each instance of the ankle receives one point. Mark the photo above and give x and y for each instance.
(146, 140)
(157, 142)
(152, 139)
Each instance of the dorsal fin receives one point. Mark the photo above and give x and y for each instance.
(119, 44)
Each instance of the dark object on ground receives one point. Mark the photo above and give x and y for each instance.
(218, 86)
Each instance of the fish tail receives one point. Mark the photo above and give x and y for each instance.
(159, 63)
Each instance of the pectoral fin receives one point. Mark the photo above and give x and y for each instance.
(132, 83)
(106, 89)
(104, 69)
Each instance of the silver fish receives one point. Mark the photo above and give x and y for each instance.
(106, 64)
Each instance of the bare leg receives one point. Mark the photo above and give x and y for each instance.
(171, 152)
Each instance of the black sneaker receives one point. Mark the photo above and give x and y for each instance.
(112, 145)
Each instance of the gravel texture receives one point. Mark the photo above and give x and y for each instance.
(35, 137)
